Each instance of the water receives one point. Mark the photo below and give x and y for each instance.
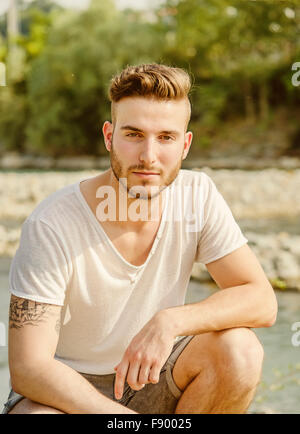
(267, 225)
(279, 391)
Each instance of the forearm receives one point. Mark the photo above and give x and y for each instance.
(57, 385)
(246, 305)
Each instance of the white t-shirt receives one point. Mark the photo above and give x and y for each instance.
(66, 258)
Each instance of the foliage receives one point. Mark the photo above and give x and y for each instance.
(281, 380)
(69, 80)
(279, 284)
(234, 49)
(239, 54)
(14, 100)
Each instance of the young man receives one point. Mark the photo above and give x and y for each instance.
(97, 316)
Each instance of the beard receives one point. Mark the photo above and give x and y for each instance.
(121, 172)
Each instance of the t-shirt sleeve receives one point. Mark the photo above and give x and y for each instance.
(39, 269)
(220, 233)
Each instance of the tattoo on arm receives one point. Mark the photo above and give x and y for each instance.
(23, 312)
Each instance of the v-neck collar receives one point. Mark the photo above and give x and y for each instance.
(99, 228)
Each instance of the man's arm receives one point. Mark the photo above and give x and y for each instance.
(247, 298)
(35, 374)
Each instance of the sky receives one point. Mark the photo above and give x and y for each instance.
(82, 4)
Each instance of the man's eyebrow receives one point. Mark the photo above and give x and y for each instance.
(129, 127)
(170, 132)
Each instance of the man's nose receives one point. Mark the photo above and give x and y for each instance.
(148, 152)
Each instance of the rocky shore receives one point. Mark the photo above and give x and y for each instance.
(242, 160)
(257, 194)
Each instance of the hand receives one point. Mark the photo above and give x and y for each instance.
(145, 355)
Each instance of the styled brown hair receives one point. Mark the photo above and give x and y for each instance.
(150, 80)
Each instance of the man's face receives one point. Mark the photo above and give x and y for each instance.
(148, 142)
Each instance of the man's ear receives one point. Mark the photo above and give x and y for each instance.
(187, 144)
(107, 131)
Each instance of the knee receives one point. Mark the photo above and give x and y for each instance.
(240, 356)
(26, 406)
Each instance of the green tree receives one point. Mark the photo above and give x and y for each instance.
(69, 81)
(14, 107)
(237, 50)
(239, 53)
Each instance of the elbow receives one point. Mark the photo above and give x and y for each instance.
(15, 385)
(271, 314)
(17, 381)
(23, 375)
(15, 376)
(270, 321)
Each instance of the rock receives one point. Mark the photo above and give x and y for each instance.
(251, 195)
(291, 244)
(287, 265)
(103, 163)
(44, 163)
(13, 161)
(76, 163)
(9, 241)
(200, 273)
(278, 254)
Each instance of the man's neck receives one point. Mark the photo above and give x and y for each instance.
(127, 207)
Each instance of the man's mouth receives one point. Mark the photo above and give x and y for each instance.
(146, 173)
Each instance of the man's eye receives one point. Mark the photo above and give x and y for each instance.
(133, 135)
(167, 138)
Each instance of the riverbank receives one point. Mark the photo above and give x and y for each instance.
(259, 195)
(15, 161)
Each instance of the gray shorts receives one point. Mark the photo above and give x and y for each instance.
(160, 398)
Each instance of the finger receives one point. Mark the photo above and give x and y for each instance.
(133, 376)
(144, 374)
(154, 374)
(120, 378)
